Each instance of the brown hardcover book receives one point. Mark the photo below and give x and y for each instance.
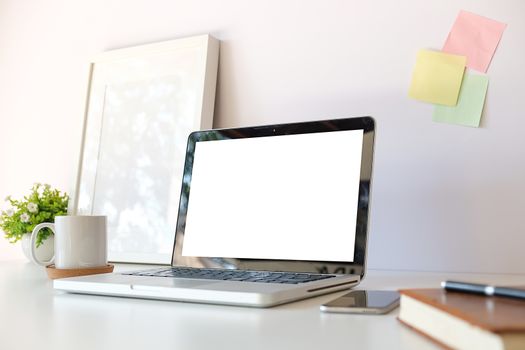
(464, 321)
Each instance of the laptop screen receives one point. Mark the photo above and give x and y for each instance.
(288, 197)
(285, 194)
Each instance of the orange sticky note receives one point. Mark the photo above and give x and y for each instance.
(476, 37)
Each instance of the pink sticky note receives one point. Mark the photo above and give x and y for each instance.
(475, 37)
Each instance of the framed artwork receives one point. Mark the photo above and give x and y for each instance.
(142, 102)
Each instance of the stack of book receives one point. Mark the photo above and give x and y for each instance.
(464, 321)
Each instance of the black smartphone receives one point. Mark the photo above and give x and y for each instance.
(364, 302)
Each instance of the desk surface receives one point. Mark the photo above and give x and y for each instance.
(34, 316)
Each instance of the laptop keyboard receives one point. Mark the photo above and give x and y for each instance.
(233, 275)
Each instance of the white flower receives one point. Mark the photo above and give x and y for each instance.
(24, 218)
(10, 212)
(40, 188)
(32, 207)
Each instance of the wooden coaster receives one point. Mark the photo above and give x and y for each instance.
(54, 273)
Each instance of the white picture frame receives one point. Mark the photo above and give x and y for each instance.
(142, 103)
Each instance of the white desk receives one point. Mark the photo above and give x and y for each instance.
(34, 316)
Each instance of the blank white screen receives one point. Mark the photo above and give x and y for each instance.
(291, 197)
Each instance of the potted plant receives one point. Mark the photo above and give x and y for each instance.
(41, 205)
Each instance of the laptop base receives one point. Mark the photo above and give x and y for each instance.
(252, 294)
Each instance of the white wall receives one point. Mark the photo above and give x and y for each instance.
(444, 198)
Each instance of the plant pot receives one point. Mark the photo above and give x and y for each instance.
(44, 252)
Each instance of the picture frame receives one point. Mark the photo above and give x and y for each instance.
(142, 102)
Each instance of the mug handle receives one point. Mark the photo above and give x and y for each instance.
(32, 243)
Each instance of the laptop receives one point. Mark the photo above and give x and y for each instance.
(267, 215)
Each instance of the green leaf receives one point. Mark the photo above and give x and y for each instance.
(50, 202)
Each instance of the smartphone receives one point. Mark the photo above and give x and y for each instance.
(364, 302)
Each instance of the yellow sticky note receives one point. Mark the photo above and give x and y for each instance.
(437, 77)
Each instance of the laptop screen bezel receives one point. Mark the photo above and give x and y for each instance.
(357, 266)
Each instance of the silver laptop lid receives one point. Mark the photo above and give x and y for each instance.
(288, 197)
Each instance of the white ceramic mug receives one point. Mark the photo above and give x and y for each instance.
(80, 242)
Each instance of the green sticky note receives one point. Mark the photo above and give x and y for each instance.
(437, 77)
(470, 103)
